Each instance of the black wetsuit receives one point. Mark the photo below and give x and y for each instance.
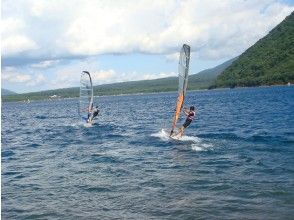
(189, 119)
(95, 113)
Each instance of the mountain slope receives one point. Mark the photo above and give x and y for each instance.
(269, 61)
(5, 92)
(206, 78)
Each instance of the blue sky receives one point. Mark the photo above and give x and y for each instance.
(46, 44)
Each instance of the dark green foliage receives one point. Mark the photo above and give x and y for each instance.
(270, 61)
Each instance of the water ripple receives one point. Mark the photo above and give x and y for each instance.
(234, 162)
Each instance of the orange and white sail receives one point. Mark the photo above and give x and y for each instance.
(183, 81)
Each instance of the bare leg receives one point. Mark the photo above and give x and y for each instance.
(181, 132)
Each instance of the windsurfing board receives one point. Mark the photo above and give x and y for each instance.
(173, 137)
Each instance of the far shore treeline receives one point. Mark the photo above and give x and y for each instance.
(270, 61)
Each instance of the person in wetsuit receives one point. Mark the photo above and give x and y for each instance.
(191, 114)
(93, 113)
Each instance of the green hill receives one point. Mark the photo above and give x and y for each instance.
(5, 92)
(269, 61)
(206, 78)
(202, 80)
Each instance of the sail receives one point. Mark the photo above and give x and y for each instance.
(86, 95)
(183, 81)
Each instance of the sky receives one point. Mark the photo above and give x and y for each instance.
(46, 44)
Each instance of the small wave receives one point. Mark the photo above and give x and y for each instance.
(7, 153)
(201, 146)
(197, 144)
(190, 138)
(222, 135)
(74, 125)
(77, 124)
(81, 124)
(33, 145)
(162, 134)
(87, 125)
(40, 117)
(9, 173)
(95, 188)
(103, 158)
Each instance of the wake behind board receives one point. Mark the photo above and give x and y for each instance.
(164, 134)
(88, 125)
(173, 137)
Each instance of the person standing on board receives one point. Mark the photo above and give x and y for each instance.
(92, 114)
(191, 114)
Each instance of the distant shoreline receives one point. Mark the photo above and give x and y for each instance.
(28, 99)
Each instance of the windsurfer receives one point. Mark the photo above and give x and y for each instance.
(191, 114)
(92, 114)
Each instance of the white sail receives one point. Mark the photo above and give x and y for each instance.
(86, 95)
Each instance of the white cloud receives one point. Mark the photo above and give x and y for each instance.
(103, 76)
(159, 75)
(16, 78)
(17, 44)
(88, 27)
(69, 77)
(45, 64)
(11, 25)
(14, 41)
(12, 75)
(39, 7)
(38, 79)
(223, 29)
(173, 56)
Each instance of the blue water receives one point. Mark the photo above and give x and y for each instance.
(236, 160)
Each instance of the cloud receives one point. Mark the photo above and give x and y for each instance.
(14, 41)
(11, 25)
(45, 64)
(225, 28)
(69, 77)
(16, 77)
(16, 44)
(103, 76)
(12, 75)
(38, 79)
(87, 28)
(172, 56)
(158, 75)
(111, 76)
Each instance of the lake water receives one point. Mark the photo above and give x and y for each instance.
(235, 162)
